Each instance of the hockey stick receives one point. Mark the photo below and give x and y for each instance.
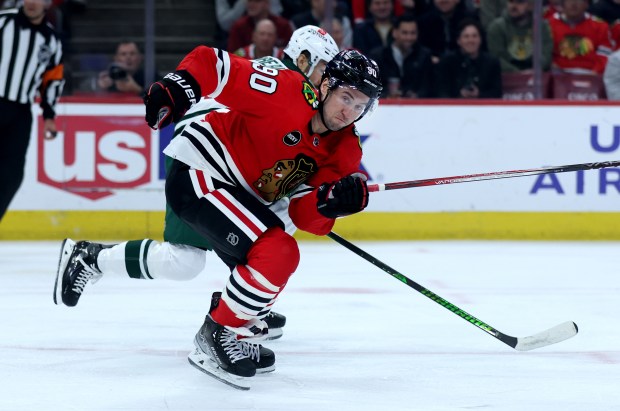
(553, 335)
(490, 176)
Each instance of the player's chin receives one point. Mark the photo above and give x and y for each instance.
(339, 125)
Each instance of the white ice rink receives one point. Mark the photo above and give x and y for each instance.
(356, 338)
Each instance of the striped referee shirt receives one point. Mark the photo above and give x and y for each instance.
(30, 61)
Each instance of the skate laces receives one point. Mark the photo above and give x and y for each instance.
(252, 351)
(232, 346)
(84, 276)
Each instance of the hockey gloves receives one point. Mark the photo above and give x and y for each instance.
(346, 196)
(168, 99)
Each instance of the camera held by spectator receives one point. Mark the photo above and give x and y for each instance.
(117, 72)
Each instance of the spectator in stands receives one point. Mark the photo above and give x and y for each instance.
(580, 42)
(241, 31)
(229, 11)
(416, 7)
(405, 65)
(614, 34)
(608, 10)
(293, 7)
(263, 42)
(336, 31)
(375, 31)
(469, 72)
(126, 73)
(510, 38)
(611, 76)
(551, 7)
(490, 10)
(439, 26)
(316, 15)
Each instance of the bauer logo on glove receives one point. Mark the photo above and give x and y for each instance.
(167, 100)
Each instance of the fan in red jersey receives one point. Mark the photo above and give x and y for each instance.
(580, 40)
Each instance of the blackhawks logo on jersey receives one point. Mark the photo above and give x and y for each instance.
(310, 95)
(284, 176)
(575, 45)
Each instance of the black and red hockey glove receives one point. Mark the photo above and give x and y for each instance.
(168, 99)
(344, 197)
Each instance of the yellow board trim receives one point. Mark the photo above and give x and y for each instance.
(119, 225)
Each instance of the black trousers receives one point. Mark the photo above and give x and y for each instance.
(15, 127)
(209, 221)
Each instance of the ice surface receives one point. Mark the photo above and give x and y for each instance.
(356, 338)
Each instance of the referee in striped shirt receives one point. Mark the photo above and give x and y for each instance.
(30, 62)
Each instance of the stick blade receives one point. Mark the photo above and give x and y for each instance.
(553, 335)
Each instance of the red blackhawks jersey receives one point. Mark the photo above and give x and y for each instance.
(584, 45)
(262, 140)
(249, 52)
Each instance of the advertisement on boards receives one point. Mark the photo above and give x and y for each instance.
(106, 158)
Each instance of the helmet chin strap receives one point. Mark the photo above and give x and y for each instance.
(321, 106)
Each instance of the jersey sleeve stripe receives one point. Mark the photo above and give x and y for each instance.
(223, 70)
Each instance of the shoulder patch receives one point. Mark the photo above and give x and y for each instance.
(359, 137)
(271, 62)
(310, 95)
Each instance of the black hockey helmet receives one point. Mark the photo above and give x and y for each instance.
(353, 69)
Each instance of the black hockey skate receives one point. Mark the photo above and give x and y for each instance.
(275, 322)
(77, 267)
(219, 353)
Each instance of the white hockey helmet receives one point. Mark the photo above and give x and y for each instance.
(315, 41)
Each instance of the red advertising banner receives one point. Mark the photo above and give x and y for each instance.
(95, 154)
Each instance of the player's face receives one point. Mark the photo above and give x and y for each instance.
(317, 73)
(342, 106)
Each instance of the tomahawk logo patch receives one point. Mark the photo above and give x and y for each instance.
(310, 95)
(292, 138)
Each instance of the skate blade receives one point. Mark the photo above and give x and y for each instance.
(66, 249)
(274, 334)
(266, 369)
(210, 367)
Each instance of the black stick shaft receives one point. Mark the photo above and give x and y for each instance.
(506, 339)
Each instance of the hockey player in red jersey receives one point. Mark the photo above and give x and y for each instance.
(181, 256)
(277, 138)
(235, 163)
